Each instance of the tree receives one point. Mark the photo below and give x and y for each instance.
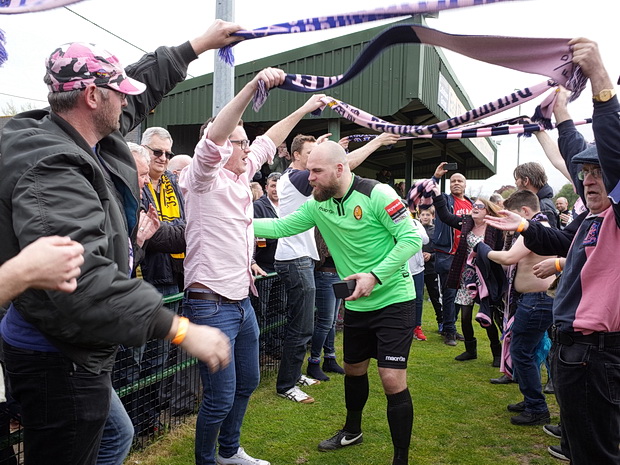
(568, 192)
(10, 109)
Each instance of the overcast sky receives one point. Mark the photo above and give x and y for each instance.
(150, 23)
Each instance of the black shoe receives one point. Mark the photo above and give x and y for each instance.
(556, 451)
(330, 365)
(520, 407)
(314, 371)
(553, 430)
(530, 419)
(460, 337)
(449, 339)
(341, 439)
(502, 380)
(548, 389)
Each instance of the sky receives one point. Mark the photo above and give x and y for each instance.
(150, 23)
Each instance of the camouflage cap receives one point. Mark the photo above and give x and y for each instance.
(76, 65)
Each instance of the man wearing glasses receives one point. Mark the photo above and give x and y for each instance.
(218, 277)
(68, 171)
(586, 334)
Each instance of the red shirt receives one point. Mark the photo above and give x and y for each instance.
(461, 207)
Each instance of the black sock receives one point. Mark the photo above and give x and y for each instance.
(400, 419)
(355, 397)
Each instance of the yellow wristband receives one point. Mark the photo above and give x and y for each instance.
(558, 267)
(181, 330)
(521, 225)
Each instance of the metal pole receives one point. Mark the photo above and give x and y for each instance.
(223, 75)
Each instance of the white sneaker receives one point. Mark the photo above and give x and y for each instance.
(307, 381)
(297, 395)
(240, 458)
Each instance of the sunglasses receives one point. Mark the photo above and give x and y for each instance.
(478, 206)
(243, 144)
(595, 172)
(159, 153)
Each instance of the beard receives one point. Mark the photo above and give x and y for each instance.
(325, 193)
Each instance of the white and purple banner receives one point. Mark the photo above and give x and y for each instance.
(28, 6)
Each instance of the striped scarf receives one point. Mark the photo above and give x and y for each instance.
(330, 22)
(487, 130)
(167, 204)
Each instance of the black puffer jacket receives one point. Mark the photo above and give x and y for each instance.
(52, 183)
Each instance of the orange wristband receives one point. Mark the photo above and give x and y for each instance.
(521, 225)
(181, 330)
(558, 267)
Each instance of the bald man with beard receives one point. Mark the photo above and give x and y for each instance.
(371, 236)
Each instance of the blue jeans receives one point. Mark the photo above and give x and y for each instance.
(443, 261)
(117, 434)
(418, 283)
(586, 379)
(298, 278)
(64, 408)
(532, 319)
(327, 306)
(226, 392)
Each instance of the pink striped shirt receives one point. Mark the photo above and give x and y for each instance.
(219, 212)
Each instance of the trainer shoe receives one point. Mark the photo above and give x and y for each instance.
(307, 381)
(449, 339)
(341, 439)
(556, 451)
(419, 334)
(240, 458)
(460, 337)
(530, 419)
(519, 407)
(553, 430)
(314, 371)
(297, 395)
(330, 365)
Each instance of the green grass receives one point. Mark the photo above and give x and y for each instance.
(460, 418)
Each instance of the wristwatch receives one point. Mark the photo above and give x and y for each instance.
(604, 95)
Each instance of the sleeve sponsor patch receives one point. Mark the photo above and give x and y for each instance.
(397, 211)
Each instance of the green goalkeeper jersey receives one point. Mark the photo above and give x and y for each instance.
(369, 230)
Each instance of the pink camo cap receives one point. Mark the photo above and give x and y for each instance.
(77, 65)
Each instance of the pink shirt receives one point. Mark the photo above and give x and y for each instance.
(219, 212)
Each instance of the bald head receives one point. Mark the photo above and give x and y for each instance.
(457, 185)
(179, 162)
(330, 175)
(329, 153)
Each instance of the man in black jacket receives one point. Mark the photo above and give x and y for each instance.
(68, 171)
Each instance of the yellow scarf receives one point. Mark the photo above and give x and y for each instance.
(167, 205)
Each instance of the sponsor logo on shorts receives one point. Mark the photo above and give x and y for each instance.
(392, 358)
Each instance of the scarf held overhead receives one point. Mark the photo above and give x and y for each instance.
(348, 19)
(545, 56)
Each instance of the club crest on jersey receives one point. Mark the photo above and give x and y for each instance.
(397, 211)
(357, 212)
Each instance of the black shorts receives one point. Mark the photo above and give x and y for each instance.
(384, 334)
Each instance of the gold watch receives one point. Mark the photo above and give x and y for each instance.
(604, 95)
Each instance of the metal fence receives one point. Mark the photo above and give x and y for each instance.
(159, 384)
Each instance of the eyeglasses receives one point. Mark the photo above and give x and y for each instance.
(121, 95)
(243, 144)
(479, 206)
(159, 153)
(595, 172)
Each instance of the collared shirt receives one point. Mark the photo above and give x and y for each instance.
(219, 213)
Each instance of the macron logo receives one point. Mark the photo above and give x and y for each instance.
(391, 358)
